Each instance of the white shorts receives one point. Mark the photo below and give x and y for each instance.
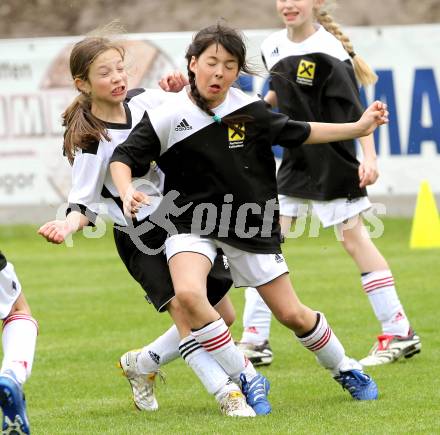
(247, 268)
(10, 289)
(330, 213)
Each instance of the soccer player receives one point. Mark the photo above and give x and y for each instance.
(19, 338)
(314, 75)
(220, 171)
(99, 118)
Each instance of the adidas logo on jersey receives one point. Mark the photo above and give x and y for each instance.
(276, 52)
(183, 125)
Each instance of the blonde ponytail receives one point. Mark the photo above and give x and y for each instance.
(364, 74)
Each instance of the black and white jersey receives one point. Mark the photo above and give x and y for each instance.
(227, 172)
(93, 191)
(314, 81)
(3, 261)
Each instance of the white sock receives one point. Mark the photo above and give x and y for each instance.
(379, 287)
(206, 368)
(256, 318)
(160, 352)
(19, 339)
(216, 339)
(327, 348)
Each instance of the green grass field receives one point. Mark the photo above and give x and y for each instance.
(90, 311)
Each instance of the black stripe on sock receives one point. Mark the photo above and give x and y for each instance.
(204, 326)
(188, 348)
(318, 317)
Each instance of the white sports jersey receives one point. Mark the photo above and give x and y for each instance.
(314, 81)
(93, 191)
(278, 46)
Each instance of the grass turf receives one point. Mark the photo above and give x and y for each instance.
(90, 311)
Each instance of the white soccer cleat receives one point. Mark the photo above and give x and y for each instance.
(142, 385)
(390, 348)
(258, 354)
(233, 404)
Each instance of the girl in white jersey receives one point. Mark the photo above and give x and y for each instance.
(19, 337)
(313, 71)
(99, 118)
(213, 143)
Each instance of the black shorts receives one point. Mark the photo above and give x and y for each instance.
(153, 274)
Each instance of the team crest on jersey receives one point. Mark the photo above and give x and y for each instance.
(306, 72)
(236, 134)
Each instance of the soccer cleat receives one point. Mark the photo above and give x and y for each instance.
(233, 404)
(256, 392)
(141, 384)
(390, 348)
(358, 384)
(258, 354)
(13, 405)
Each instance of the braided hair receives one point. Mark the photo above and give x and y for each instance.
(362, 70)
(233, 42)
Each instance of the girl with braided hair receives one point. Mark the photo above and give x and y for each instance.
(101, 116)
(314, 75)
(223, 184)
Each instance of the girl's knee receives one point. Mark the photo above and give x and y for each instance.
(20, 307)
(188, 295)
(294, 318)
(229, 318)
(349, 245)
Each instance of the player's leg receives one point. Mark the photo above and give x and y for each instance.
(314, 333)
(397, 339)
(190, 259)
(257, 316)
(257, 319)
(166, 347)
(142, 366)
(145, 366)
(269, 274)
(19, 337)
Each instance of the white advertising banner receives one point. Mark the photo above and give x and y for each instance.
(35, 88)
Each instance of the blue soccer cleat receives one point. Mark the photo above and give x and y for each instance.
(358, 384)
(256, 392)
(13, 405)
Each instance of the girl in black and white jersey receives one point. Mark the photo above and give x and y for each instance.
(314, 75)
(220, 171)
(101, 117)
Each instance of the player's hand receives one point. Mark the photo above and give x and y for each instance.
(55, 231)
(173, 82)
(375, 115)
(368, 172)
(134, 200)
